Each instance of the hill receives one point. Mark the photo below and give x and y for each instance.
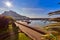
(14, 15)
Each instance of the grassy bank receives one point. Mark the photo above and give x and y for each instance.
(22, 36)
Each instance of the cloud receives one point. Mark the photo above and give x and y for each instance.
(2, 10)
(33, 12)
(33, 9)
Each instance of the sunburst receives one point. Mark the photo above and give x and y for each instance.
(9, 4)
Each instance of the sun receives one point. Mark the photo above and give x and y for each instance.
(8, 4)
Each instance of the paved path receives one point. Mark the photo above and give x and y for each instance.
(31, 33)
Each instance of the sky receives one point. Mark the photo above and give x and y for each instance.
(30, 8)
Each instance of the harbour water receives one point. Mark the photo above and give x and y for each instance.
(38, 23)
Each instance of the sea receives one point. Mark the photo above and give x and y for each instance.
(38, 23)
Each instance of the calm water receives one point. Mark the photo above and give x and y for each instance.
(38, 23)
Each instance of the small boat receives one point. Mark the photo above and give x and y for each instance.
(28, 21)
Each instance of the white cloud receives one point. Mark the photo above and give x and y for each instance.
(2, 10)
(33, 12)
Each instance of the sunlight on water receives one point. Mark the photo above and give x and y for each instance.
(38, 23)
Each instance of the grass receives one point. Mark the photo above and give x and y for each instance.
(22, 36)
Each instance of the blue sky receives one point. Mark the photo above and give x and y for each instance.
(31, 8)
